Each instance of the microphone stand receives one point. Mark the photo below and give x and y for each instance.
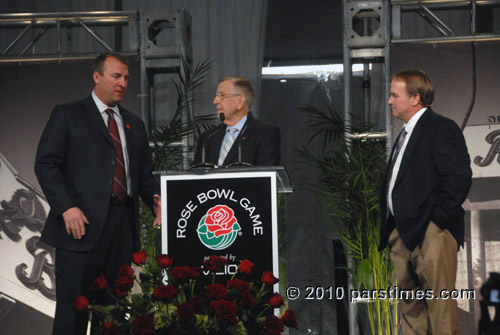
(203, 163)
(239, 162)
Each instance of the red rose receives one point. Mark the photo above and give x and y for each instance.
(247, 300)
(185, 311)
(274, 323)
(126, 270)
(143, 325)
(289, 319)
(216, 291)
(220, 220)
(165, 292)
(99, 284)
(198, 303)
(238, 284)
(124, 283)
(276, 301)
(139, 257)
(246, 267)
(225, 310)
(81, 304)
(268, 278)
(215, 263)
(164, 261)
(194, 272)
(271, 332)
(111, 329)
(183, 273)
(119, 293)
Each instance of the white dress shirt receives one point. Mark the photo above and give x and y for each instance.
(409, 130)
(101, 106)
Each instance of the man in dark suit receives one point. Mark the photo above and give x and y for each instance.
(427, 180)
(257, 142)
(93, 162)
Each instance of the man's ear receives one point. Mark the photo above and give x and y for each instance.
(96, 77)
(416, 100)
(242, 100)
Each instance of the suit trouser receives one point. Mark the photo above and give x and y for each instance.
(431, 266)
(76, 271)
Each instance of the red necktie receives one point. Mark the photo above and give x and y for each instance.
(120, 180)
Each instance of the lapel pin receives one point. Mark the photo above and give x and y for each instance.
(128, 126)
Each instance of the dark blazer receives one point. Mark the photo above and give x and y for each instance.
(75, 165)
(433, 181)
(259, 142)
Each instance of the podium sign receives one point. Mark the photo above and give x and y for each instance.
(230, 214)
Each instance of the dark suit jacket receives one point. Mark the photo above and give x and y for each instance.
(75, 164)
(433, 181)
(260, 144)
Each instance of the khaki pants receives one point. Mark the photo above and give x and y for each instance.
(431, 266)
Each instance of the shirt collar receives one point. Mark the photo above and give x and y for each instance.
(101, 106)
(413, 121)
(240, 123)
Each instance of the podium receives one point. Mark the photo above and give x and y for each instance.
(228, 212)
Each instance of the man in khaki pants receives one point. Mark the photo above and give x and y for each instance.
(427, 180)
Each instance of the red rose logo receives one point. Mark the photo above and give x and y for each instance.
(81, 304)
(220, 220)
(139, 257)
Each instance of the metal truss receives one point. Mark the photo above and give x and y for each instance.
(430, 10)
(160, 39)
(371, 27)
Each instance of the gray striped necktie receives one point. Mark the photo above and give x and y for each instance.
(227, 145)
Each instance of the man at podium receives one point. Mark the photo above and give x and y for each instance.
(240, 139)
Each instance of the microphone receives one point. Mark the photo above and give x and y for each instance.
(239, 162)
(203, 163)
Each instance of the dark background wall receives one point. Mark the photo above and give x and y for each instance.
(28, 95)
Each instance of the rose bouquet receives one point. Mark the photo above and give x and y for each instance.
(183, 305)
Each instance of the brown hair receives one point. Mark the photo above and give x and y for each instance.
(417, 82)
(244, 85)
(98, 62)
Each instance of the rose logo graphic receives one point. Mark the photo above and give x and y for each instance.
(218, 229)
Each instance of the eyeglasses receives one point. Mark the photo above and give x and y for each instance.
(224, 95)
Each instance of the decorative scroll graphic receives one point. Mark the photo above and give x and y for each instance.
(492, 138)
(41, 265)
(25, 210)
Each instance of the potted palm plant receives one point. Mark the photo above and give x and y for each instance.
(350, 168)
